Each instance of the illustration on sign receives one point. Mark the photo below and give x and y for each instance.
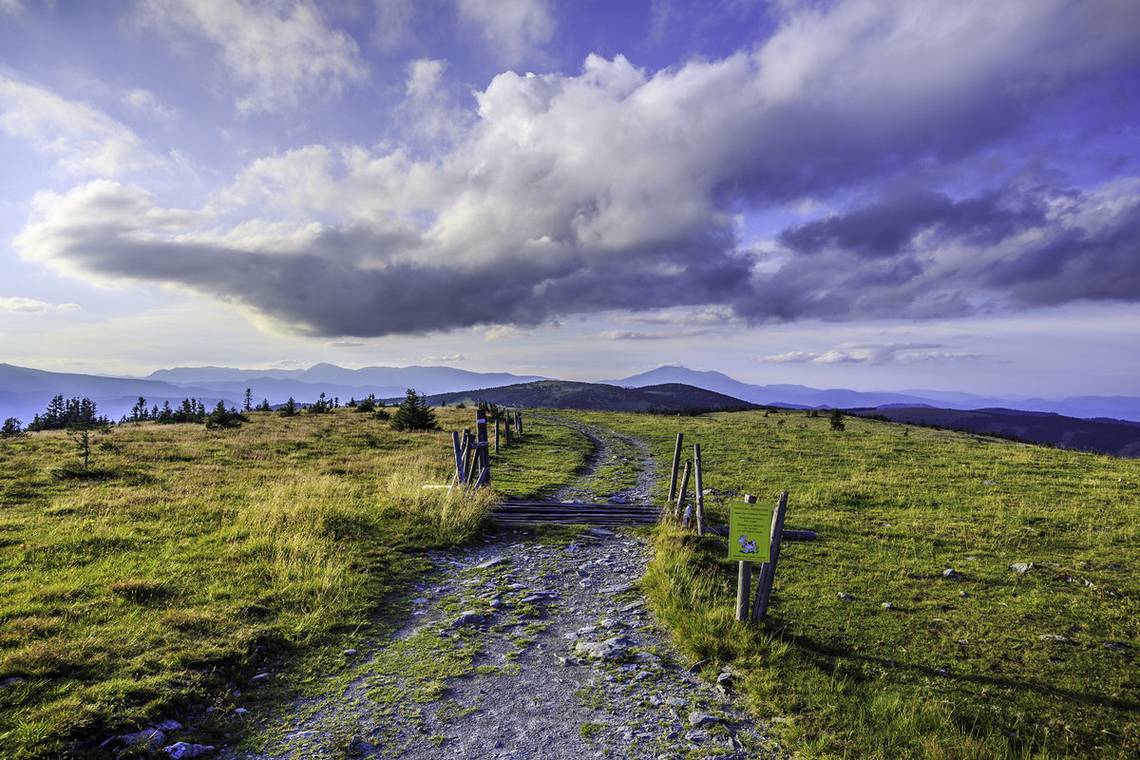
(750, 532)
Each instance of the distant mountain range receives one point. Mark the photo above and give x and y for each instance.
(24, 392)
(561, 394)
(802, 396)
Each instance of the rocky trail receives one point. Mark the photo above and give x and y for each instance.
(534, 645)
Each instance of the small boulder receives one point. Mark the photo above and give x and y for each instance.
(148, 738)
(697, 719)
(845, 597)
(466, 618)
(1021, 568)
(951, 574)
(186, 750)
(887, 606)
(724, 682)
(488, 563)
(360, 747)
(614, 648)
(168, 726)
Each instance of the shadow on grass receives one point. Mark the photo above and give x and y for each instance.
(826, 656)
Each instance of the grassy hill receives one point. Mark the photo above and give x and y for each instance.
(670, 398)
(1115, 437)
(192, 558)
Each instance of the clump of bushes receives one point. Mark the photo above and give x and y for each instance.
(222, 418)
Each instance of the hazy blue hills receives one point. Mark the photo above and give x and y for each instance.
(25, 391)
(673, 398)
(1116, 407)
(1090, 423)
(1105, 436)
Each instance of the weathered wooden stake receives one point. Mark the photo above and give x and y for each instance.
(700, 500)
(743, 590)
(458, 456)
(768, 571)
(468, 454)
(744, 580)
(679, 510)
(496, 435)
(676, 464)
(483, 454)
(518, 423)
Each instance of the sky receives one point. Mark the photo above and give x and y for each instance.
(870, 194)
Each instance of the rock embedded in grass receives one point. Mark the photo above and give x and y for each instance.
(845, 597)
(148, 738)
(185, 750)
(466, 618)
(1021, 568)
(951, 574)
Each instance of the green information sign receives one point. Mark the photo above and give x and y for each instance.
(750, 532)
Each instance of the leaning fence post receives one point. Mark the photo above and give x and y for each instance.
(468, 454)
(676, 464)
(768, 571)
(684, 490)
(700, 500)
(458, 456)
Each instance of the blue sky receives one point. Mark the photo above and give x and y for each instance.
(861, 193)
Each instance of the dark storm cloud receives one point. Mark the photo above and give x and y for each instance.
(887, 227)
(616, 188)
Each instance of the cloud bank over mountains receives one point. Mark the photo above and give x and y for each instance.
(622, 188)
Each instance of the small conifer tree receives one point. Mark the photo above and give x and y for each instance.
(837, 420)
(414, 413)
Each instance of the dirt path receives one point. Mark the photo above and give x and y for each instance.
(527, 649)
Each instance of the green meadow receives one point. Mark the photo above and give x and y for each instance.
(988, 663)
(188, 558)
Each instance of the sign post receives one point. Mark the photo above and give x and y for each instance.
(749, 540)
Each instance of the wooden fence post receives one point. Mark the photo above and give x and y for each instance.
(768, 571)
(468, 454)
(700, 500)
(458, 456)
(744, 580)
(676, 464)
(507, 425)
(484, 456)
(679, 509)
(518, 423)
(496, 435)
